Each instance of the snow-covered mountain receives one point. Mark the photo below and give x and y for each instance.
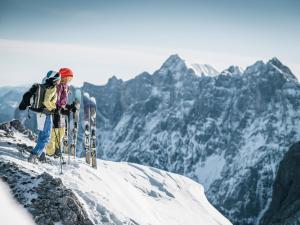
(228, 132)
(204, 69)
(116, 193)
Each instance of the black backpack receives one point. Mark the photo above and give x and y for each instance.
(33, 99)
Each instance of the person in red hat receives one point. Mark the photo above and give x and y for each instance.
(63, 109)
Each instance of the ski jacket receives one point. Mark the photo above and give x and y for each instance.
(62, 95)
(50, 98)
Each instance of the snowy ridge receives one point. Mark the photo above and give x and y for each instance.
(124, 193)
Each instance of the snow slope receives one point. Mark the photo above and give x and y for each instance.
(124, 193)
(204, 70)
(9, 208)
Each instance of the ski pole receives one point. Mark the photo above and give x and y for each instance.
(59, 145)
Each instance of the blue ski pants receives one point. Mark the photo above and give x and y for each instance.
(44, 136)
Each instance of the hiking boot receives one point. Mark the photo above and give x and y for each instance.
(42, 157)
(57, 153)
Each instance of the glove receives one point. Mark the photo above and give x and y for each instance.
(65, 112)
(55, 111)
(22, 105)
(25, 101)
(72, 107)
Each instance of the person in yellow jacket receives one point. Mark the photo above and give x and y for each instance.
(63, 110)
(44, 118)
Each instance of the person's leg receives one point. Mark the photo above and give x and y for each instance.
(43, 137)
(50, 148)
(60, 132)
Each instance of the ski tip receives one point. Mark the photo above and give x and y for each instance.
(86, 95)
(93, 100)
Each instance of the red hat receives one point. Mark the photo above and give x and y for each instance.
(66, 72)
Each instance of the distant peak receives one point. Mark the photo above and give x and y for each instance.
(175, 65)
(174, 57)
(273, 64)
(275, 61)
(278, 65)
(114, 80)
(173, 60)
(204, 69)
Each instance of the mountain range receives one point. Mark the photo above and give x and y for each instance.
(228, 131)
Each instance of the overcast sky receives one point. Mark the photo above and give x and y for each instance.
(99, 39)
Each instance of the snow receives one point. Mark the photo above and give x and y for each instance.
(204, 69)
(9, 208)
(126, 193)
(210, 170)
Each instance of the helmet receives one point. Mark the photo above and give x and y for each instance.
(52, 75)
(66, 72)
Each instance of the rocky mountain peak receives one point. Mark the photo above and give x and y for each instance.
(114, 81)
(173, 60)
(257, 67)
(275, 61)
(276, 64)
(232, 71)
(273, 67)
(175, 65)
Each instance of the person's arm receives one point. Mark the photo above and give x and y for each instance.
(26, 98)
(50, 99)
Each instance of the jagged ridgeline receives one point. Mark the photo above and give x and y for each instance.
(227, 131)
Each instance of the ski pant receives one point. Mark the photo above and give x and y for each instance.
(44, 135)
(55, 141)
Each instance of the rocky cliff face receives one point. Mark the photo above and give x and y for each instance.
(228, 132)
(285, 204)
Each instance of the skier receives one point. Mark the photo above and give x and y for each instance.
(44, 119)
(63, 110)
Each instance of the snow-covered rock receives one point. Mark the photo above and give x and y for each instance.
(115, 193)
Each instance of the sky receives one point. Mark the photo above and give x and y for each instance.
(98, 38)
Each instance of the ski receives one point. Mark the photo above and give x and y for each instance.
(86, 142)
(66, 136)
(93, 113)
(75, 119)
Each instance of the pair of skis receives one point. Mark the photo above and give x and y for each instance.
(90, 111)
(69, 147)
